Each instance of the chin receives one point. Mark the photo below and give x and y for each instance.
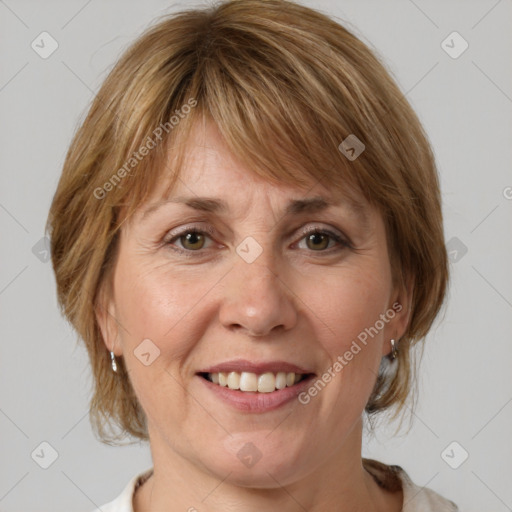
(263, 475)
(252, 460)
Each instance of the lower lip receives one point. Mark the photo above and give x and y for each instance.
(249, 401)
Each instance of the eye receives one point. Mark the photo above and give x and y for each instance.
(318, 240)
(191, 240)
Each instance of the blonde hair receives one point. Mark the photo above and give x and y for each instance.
(270, 74)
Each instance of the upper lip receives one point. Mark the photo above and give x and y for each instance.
(242, 365)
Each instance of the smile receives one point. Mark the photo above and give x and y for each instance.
(255, 386)
(267, 382)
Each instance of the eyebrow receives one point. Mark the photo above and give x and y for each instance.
(294, 207)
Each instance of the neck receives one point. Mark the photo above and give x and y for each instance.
(340, 484)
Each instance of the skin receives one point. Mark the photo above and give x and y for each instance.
(300, 302)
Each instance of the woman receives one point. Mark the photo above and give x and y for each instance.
(247, 235)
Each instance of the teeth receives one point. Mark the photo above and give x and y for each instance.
(234, 380)
(281, 380)
(247, 381)
(266, 383)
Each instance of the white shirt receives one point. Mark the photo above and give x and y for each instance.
(416, 499)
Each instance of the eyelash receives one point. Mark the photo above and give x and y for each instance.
(168, 242)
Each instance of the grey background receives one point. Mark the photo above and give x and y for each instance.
(465, 385)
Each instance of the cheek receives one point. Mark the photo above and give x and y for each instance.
(158, 305)
(350, 304)
(171, 309)
(152, 304)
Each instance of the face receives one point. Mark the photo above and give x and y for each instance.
(232, 277)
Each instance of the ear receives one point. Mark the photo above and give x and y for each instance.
(399, 313)
(105, 313)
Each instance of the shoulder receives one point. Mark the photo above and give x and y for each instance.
(124, 502)
(416, 498)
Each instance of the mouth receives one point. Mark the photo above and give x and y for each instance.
(255, 387)
(250, 382)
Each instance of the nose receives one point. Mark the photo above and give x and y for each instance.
(256, 300)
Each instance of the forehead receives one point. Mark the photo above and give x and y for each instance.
(199, 171)
(283, 200)
(209, 168)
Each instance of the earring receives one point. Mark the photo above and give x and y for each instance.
(394, 349)
(113, 362)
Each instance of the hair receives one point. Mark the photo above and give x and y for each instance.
(270, 74)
